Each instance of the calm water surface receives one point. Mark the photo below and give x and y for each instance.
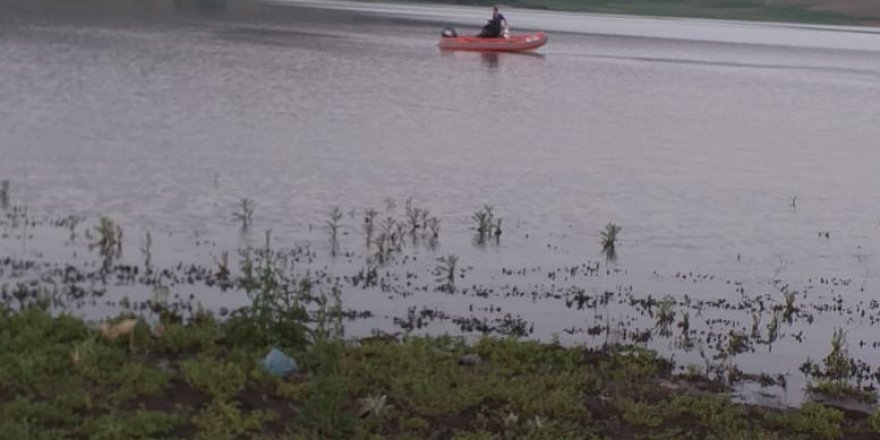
(694, 136)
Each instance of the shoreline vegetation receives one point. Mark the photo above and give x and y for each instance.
(834, 12)
(281, 367)
(204, 379)
(158, 372)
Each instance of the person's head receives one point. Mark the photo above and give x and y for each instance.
(494, 10)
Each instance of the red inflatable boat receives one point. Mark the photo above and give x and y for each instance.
(513, 43)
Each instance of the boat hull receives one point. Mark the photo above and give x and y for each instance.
(513, 43)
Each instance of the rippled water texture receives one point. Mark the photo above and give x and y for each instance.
(694, 136)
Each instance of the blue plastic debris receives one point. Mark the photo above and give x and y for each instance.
(279, 364)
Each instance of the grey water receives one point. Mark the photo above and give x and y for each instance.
(722, 148)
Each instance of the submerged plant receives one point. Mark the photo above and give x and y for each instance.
(423, 219)
(382, 249)
(333, 225)
(118, 241)
(109, 237)
(146, 249)
(369, 275)
(369, 224)
(790, 308)
(485, 222)
(773, 328)
(223, 266)
(446, 273)
(247, 278)
(388, 227)
(609, 241)
(839, 366)
(838, 372)
(434, 227)
(397, 237)
(72, 222)
(414, 216)
(4, 194)
(665, 317)
(685, 325)
(246, 210)
(736, 343)
(756, 322)
(390, 204)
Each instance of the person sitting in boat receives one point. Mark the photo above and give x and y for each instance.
(496, 27)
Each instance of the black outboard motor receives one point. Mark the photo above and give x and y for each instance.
(449, 33)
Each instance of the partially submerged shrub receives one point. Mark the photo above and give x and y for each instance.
(245, 211)
(4, 194)
(790, 308)
(484, 219)
(486, 224)
(147, 250)
(665, 317)
(223, 266)
(333, 223)
(109, 238)
(446, 273)
(277, 313)
(369, 224)
(434, 227)
(415, 217)
(838, 372)
(609, 241)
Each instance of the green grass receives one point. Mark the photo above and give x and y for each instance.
(60, 380)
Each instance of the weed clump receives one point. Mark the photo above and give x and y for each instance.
(4, 194)
(369, 224)
(487, 225)
(838, 374)
(245, 212)
(109, 241)
(445, 273)
(609, 241)
(665, 317)
(277, 312)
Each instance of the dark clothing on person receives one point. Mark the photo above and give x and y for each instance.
(494, 27)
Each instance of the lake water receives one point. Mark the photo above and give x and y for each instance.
(725, 150)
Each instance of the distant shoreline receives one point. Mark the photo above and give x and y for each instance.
(829, 12)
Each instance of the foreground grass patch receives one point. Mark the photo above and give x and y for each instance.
(60, 380)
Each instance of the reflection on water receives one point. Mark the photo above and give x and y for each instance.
(490, 59)
(494, 60)
(208, 8)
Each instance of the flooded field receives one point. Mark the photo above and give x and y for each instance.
(739, 160)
